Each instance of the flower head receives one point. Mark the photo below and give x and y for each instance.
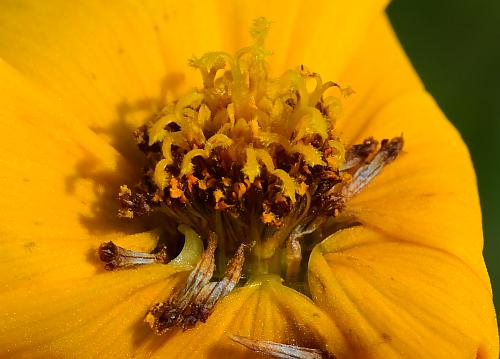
(271, 215)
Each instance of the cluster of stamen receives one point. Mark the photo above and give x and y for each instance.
(115, 256)
(248, 162)
(196, 300)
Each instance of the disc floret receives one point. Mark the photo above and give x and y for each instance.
(251, 165)
(246, 153)
(255, 159)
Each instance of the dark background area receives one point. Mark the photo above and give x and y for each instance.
(455, 47)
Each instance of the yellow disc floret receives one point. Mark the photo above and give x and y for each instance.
(254, 158)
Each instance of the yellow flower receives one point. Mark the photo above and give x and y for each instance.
(76, 79)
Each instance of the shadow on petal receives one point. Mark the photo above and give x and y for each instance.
(106, 180)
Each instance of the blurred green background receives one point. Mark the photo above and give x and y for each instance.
(455, 47)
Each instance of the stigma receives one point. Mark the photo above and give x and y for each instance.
(255, 166)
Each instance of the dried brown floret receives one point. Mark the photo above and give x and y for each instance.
(387, 153)
(279, 350)
(196, 300)
(357, 154)
(117, 257)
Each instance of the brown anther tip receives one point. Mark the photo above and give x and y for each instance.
(133, 204)
(162, 256)
(197, 313)
(392, 147)
(140, 134)
(162, 317)
(107, 251)
(359, 153)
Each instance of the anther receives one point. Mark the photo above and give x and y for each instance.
(359, 153)
(387, 153)
(197, 299)
(278, 350)
(212, 293)
(115, 257)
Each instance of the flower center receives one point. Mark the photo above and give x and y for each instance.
(254, 165)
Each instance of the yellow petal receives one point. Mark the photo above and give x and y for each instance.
(109, 65)
(379, 72)
(428, 195)
(58, 183)
(52, 317)
(54, 178)
(115, 61)
(111, 62)
(262, 310)
(59, 180)
(320, 34)
(395, 299)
